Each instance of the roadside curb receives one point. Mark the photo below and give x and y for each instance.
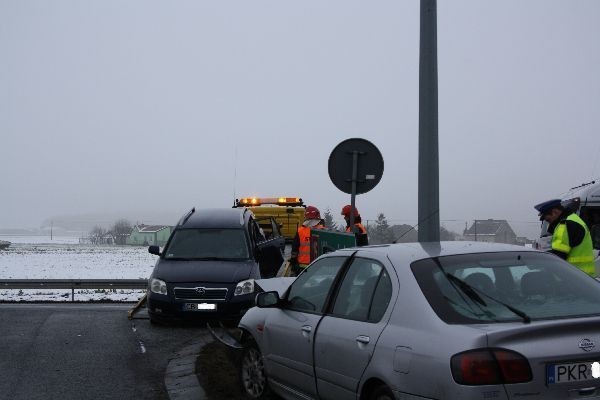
(181, 380)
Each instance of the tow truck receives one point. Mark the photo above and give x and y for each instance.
(288, 212)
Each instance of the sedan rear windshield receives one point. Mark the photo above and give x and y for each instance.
(208, 244)
(509, 286)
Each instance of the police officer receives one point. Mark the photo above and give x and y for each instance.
(571, 239)
(300, 257)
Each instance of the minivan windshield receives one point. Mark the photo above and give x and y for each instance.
(507, 286)
(208, 244)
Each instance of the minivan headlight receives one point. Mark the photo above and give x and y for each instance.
(158, 286)
(244, 287)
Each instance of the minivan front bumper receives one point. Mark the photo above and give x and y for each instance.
(167, 307)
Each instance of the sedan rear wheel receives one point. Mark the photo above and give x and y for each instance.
(253, 376)
(382, 392)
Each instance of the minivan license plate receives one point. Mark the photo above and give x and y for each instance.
(571, 372)
(199, 307)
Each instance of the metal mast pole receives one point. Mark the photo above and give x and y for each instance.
(429, 216)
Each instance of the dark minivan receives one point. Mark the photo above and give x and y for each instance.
(208, 266)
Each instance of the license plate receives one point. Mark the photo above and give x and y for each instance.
(199, 307)
(568, 373)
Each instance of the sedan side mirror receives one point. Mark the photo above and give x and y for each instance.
(267, 299)
(154, 250)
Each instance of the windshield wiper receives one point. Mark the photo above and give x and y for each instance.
(466, 288)
(484, 313)
(470, 291)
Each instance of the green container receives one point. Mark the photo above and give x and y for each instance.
(325, 241)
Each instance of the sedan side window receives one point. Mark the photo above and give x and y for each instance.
(381, 298)
(309, 291)
(364, 293)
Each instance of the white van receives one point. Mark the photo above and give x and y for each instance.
(584, 200)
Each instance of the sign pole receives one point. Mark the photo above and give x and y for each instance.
(353, 194)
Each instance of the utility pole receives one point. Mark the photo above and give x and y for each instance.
(429, 215)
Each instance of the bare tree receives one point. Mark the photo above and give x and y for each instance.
(96, 234)
(120, 231)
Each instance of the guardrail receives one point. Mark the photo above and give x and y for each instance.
(73, 284)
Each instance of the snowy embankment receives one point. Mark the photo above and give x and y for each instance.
(34, 257)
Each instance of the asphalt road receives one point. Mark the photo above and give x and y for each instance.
(86, 351)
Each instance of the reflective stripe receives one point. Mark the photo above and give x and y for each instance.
(581, 259)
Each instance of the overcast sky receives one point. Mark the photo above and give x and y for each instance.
(157, 106)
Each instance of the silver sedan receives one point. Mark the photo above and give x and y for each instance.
(450, 320)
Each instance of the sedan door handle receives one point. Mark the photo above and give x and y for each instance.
(363, 339)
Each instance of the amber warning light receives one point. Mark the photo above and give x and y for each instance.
(257, 201)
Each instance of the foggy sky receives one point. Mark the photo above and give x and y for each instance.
(152, 106)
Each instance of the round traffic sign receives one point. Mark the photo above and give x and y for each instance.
(357, 157)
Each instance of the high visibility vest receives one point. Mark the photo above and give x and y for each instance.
(304, 247)
(582, 255)
(360, 227)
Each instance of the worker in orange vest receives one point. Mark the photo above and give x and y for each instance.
(358, 228)
(301, 245)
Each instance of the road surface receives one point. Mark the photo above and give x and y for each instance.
(85, 351)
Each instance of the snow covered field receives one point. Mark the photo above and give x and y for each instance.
(36, 257)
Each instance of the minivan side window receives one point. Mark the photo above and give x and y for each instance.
(365, 292)
(255, 233)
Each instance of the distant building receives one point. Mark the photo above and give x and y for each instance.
(491, 230)
(148, 235)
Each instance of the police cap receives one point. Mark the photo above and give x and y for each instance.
(546, 206)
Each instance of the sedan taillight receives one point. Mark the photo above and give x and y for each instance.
(490, 367)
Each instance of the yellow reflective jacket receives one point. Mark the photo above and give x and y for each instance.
(582, 255)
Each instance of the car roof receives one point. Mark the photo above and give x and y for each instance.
(410, 252)
(228, 218)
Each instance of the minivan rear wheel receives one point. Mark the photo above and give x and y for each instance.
(252, 372)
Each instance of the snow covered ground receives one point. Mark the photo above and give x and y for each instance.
(36, 257)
